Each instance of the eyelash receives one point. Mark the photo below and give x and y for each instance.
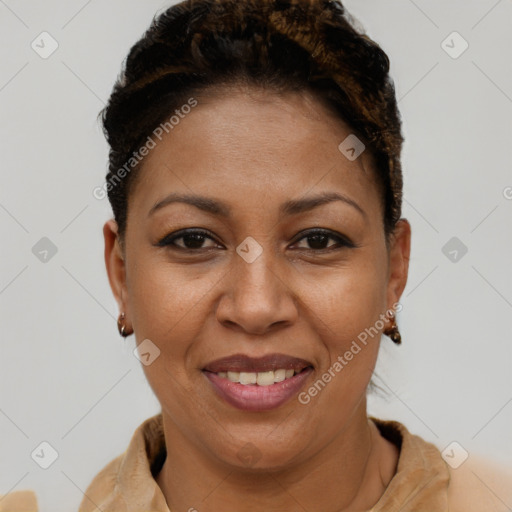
(342, 241)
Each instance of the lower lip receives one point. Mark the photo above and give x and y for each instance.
(252, 397)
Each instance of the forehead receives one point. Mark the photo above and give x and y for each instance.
(254, 143)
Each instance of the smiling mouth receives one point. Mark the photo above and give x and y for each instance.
(257, 384)
(259, 378)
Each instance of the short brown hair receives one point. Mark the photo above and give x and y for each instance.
(281, 45)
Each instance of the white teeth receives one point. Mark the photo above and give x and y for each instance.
(279, 375)
(260, 378)
(234, 376)
(248, 378)
(265, 378)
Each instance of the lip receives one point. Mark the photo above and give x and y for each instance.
(252, 397)
(245, 363)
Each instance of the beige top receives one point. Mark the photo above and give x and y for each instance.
(18, 501)
(424, 482)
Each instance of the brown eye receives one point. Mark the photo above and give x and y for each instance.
(190, 239)
(319, 240)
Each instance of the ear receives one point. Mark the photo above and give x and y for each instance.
(114, 261)
(398, 263)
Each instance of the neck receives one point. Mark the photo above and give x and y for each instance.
(350, 473)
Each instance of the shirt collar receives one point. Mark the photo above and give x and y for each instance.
(128, 483)
(422, 478)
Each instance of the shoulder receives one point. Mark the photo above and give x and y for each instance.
(479, 484)
(19, 501)
(427, 479)
(129, 478)
(102, 486)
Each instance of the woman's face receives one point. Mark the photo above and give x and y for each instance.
(224, 269)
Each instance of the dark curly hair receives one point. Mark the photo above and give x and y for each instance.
(279, 45)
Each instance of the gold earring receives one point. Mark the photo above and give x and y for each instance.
(121, 326)
(393, 332)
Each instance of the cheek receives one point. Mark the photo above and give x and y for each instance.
(346, 308)
(172, 302)
(170, 308)
(168, 304)
(348, 300)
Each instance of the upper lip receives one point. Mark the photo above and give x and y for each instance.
(244, 363)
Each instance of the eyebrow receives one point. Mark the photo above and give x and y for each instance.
(292, 207)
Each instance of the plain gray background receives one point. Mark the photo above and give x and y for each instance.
(66, 376)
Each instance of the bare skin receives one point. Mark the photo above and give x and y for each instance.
(252, 151)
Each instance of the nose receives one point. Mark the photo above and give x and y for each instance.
(257, 297)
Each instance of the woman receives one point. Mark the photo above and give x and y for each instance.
(258, 253)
